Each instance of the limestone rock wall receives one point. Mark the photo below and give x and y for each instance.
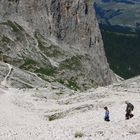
(62, 36)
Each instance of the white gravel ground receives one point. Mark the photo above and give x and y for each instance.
(24, 114)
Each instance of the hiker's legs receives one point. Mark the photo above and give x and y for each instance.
(131, 115)
(107, 119)
(128, 115)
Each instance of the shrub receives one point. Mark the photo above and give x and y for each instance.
(53, 117)
(79, 134)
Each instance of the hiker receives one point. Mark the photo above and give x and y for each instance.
(106, 117)
(129, 109)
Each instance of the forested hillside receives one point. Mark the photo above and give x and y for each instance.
(122, 50)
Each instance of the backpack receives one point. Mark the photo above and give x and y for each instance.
(131, 106)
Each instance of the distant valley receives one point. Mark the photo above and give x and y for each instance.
(118, 12)
(119, 22)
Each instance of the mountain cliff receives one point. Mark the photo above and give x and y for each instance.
(55, 39)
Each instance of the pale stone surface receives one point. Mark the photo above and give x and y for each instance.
(25, 113)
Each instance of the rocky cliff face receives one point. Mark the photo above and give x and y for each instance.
(11, 76)
(55, 38)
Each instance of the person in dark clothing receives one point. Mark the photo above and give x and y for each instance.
(129, 109)
(106, 117)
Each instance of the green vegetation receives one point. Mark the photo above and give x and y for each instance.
(53, 117)
(15, 27)
(30, 64)
(123, 52)
(79, 134)
(72, 84)
(5, 40)
(73, 63)
(46, 71)
(61, 81)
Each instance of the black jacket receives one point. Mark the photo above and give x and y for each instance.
(129, 107)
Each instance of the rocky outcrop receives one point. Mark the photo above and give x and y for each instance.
(11, 76)
(56, 38)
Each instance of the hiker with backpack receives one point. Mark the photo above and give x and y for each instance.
(129, 109)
